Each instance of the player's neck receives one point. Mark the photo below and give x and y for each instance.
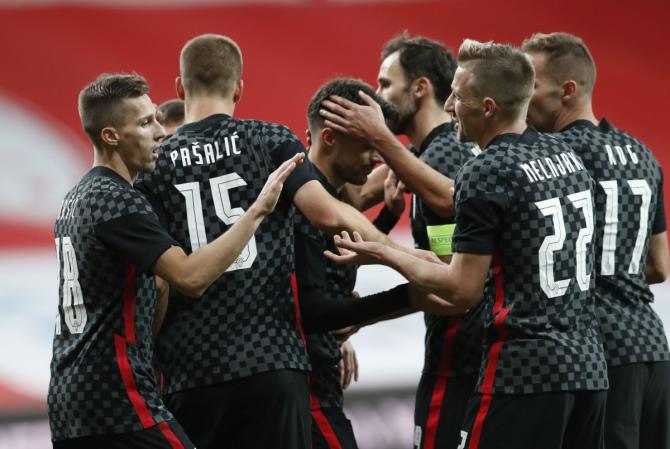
(201, 107)
(568, 115)
(514, 127)
(114, 163)
(321, 162)
(425, 120)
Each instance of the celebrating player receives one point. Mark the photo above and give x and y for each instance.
(630, 235)
(109, 245)
(543, 374)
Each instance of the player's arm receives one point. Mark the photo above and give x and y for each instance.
(460, 284)
(367, 122)
(369, 194)
(192, 274)
(332, 216)
(658, 259)
(162, 295)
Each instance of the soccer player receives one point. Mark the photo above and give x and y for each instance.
(630, 236)
(109, 245)
(543, 376)
(415, 75)
(240, 346)
(171, 115)
(337, 159)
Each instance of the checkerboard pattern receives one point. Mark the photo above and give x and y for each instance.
(630, 329)
(543, 344)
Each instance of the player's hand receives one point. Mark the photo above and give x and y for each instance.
(267, 199)
(348, 365)
(394, 200)
(357, 251)
(431, 303)
(363, 121)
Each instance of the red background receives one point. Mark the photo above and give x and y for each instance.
(49, 53)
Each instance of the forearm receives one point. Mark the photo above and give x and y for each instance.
(428, 184)
(192, 274)
(322, 315)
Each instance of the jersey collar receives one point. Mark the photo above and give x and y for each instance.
(439, 129)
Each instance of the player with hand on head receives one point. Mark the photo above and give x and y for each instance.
(528, 241)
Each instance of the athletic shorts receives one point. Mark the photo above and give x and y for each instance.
(439, 410)
(331, 429)
(164, 435)
(568, 420)
(638, 406)
(267, 410)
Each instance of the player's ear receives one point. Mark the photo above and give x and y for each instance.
(179, 87)
(568, 90)
(308, 138)
(239, 87)
(421, 87)
(109, 136)
(490, 107)
(327, 137)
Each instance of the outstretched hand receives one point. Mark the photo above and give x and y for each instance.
(267, 199)
(363, 121)
(356, 251)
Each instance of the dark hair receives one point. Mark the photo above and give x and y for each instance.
(171, 111)
(347, 88)
(100, 101)
(210, 64)
(420, 56)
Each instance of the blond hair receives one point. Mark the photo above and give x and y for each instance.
(566, 57)
(501, 72)
(210, 64)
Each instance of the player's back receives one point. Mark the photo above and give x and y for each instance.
(536, 197)
(206, 176)
(101, 372)
(629, 184)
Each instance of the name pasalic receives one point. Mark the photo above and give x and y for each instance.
(206, 153)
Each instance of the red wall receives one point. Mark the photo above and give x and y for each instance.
(49, 53)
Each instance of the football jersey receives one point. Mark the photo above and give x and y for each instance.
(102, 381)
(527, 200)
(206, 176)
(453, 344)
(628, 210)
(334, 281)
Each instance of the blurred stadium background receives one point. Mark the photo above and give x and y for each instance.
(51, 48)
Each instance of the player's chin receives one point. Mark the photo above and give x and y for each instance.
(149, 166)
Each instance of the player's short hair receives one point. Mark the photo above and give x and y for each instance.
(567, 57)
(346, 88)
(420, 56)
(210, 64)
(501, 72)
(100, 102)
(171, 111)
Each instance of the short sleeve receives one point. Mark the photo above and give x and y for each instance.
(481, 203)
(283, 144)
(137, 236)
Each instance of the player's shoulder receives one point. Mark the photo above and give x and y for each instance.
(110, 197)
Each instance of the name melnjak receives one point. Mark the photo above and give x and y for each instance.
(553, 166)
(206, 153)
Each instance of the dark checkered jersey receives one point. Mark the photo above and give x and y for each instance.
(315, 271)
(527, 200)
(453, 344)
(628, 210)
(206, 176)
(107, 239)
